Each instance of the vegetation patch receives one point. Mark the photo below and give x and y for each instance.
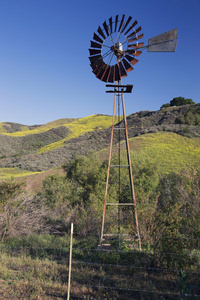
(81, 126)
(168, 150)
(9, 173)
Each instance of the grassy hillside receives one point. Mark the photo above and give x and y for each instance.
(79, 127)
(167, 150)
(166, 135)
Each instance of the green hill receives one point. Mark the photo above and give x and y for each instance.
(169, 136)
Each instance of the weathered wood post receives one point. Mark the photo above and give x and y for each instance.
(70, 263)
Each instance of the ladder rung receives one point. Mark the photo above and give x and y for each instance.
(119, 128)
(119, 204)
(121, 166)
(116, 234)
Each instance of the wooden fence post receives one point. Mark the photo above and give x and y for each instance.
(70, 263)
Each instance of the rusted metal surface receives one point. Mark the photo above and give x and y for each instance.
(132, 60)
(127, 66)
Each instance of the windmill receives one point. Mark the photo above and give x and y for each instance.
(114, 50)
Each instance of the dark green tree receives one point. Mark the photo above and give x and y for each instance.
(178, 101)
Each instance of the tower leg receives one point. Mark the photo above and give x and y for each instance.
(131, 174)
(108, 171)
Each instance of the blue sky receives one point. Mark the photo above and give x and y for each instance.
(44, 67)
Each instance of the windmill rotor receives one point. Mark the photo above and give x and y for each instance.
(112, 51)
(115, 46)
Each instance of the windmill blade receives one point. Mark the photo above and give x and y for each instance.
(100, 71)
(94, 51)
(127, 66)
(106, 28)
(137, 53)
(133, 52)
(132, 26)
(96, 64)
(122, 70)
(127, 22)
(95, 58)
(135, 32)
(122, 21)
(97, 38)
(111, 77)
(138, 37)
(117, 73)
(103, 71)
(95, 45)
(110, 23)
(100, 31)
(138, 45)
(97, 68)
(116, 21)
(132, 60)
(106, 73)
(165, 42)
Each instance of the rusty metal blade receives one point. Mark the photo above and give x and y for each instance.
(135, 53)
(97, 38)
(132, 26)
(106, 74)
(122, 70)
(96, 68)
(116, 21)
(94, 51)
(101, 71)
(111, 77)
(127, 22)
(100, 31)
(106, 28)
(136, 38)
(95, 58)
(122, 21)
(117, 73)
(127, 66)
(134, 32)
(96, 63)
(104, 71)
(131, 59)
(95, 45)
(110, 22)
(138, 45)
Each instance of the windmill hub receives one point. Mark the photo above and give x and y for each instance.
(118, 50)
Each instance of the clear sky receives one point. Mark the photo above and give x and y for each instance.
(45, 72)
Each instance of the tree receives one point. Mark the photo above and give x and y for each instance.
(178, 101)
